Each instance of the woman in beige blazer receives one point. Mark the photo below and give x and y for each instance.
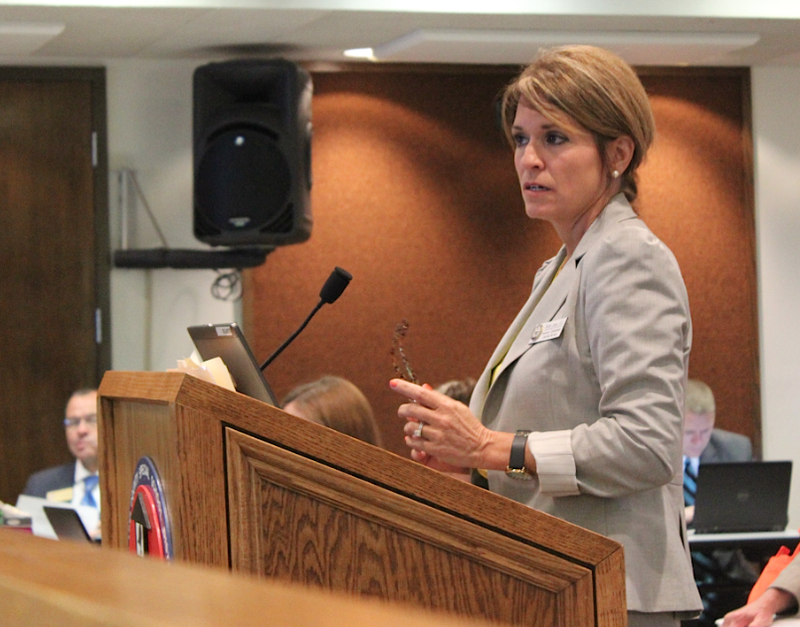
(580, 408)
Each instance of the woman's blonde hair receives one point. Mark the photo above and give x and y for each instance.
(593, 87)
(336, 403)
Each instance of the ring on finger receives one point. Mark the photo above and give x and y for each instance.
(418, 430)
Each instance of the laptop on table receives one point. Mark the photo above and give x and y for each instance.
(742, 497)
(67, 524)
(227, 342)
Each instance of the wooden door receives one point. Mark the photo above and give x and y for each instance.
(54, 294)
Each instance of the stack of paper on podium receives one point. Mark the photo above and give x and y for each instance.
(212, 370)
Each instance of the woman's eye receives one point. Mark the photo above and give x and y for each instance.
(555, 139)
(520, 139)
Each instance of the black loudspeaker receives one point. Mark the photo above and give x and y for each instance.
(252, 153)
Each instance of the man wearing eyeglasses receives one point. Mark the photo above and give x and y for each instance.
(76, 482)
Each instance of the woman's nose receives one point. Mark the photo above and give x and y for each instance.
(530, 157)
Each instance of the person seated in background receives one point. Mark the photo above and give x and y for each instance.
(459, 389)
(336, 403)
(723, 575)
(702, 443)
(780, 598)
(77, 482)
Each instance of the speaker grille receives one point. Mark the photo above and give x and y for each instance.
(283, 223)
(243, 182)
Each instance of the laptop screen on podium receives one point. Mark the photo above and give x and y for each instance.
(227, 342)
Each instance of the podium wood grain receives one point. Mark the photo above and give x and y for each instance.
(256, 490)
(44, 583)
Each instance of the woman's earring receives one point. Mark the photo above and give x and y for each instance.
(615, 174)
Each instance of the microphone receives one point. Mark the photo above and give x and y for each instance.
(333, 288)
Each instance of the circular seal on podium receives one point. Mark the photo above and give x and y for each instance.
(149, 531)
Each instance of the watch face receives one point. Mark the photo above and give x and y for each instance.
(519, 473)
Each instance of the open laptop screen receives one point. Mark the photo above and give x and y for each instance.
(66, 524)
(742, 497)
(227, 342)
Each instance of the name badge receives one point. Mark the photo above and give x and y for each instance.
(547, 331)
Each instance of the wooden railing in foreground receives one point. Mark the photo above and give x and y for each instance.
(45, 583)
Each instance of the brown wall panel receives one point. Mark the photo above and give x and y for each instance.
(697, 196)
(415, 194)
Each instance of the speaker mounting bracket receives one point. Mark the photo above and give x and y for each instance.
(187, 259)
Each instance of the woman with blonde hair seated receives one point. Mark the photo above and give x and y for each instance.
(336, 403)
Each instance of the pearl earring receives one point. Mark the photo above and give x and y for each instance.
(615, 174)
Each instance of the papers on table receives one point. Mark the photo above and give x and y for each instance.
(41, 525)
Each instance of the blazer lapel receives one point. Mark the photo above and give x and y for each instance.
(548, 296)
(549, 302)
(515, 341)
(618, 210)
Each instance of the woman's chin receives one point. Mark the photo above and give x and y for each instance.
(537, 212)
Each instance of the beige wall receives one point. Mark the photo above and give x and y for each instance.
(776, 108)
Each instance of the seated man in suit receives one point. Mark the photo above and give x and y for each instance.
(703, 444)
(76, 482)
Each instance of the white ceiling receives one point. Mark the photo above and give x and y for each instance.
(710, 32)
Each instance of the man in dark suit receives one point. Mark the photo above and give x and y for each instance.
(50, 480)
(702, 443)
(722, 569)
(726, 446)
(77, 482)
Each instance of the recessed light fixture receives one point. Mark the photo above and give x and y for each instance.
(360, 53)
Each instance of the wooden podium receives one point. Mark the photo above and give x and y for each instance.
(253, 489)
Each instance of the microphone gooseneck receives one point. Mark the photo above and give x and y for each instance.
(338, 280)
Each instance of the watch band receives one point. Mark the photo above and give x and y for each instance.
(516, 461)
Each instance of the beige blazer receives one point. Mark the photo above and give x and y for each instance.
(604, 396)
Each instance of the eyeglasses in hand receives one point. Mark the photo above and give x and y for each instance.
(403, 371)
